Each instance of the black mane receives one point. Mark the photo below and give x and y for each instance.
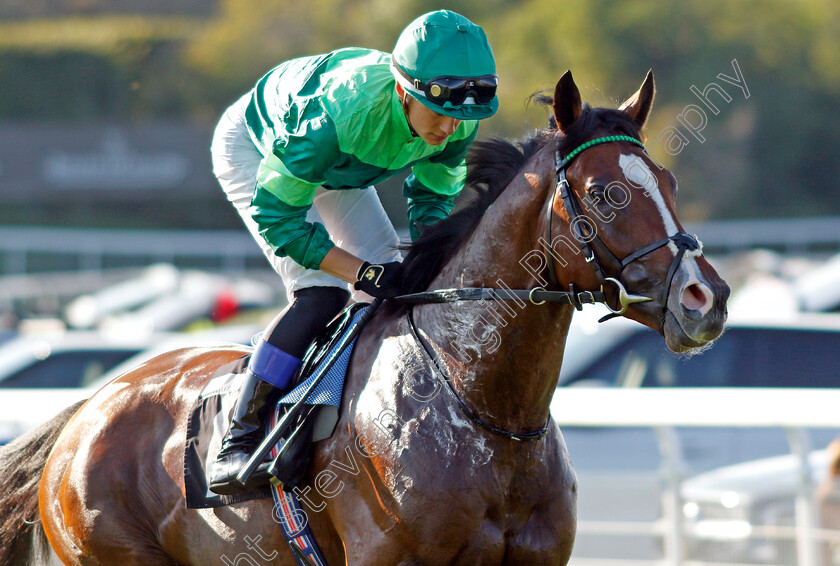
(491, 166)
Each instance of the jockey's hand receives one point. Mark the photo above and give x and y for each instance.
(382, 281)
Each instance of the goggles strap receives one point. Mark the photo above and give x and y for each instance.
(409, 85)
(404, 104)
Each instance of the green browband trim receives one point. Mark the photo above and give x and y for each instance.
(574, 153)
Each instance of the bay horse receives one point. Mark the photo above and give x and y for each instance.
(445, 452)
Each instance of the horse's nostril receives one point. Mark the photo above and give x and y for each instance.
(697, 297)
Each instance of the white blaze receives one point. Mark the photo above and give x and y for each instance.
(637, 172)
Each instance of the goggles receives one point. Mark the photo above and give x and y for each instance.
(455, 90)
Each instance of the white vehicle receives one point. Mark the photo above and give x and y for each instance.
(747, 513)
(796, 350)
(47, 373)
(63, 359)
(34, 366)
(226, 334)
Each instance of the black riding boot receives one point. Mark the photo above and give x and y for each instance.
(271, 368)
(244, 434)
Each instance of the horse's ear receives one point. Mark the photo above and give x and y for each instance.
(638, 106)
(566, 101)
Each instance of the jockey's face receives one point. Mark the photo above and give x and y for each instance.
(431, 127)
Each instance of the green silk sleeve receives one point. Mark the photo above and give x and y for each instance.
(425, 206)
(287, 180)
(285, 228)
(434, 184)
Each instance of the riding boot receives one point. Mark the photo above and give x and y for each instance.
(270, 371)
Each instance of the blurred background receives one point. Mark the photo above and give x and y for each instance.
(116, 241)
(106, 108)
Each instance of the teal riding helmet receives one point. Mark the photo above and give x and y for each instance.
(444, 61)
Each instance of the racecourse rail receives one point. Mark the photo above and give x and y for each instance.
(793, 410)
(25, 249)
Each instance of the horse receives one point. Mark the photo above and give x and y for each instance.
(445, 452)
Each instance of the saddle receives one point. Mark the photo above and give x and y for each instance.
(211, 414)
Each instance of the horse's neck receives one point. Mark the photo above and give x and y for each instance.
(503, 357)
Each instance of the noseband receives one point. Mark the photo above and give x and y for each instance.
(585, 236)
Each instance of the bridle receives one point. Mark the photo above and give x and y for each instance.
(683, 241)
(539, 295)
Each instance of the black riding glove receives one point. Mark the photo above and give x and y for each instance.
(381, 281)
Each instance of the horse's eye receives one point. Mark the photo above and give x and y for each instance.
(674, 186)
(595, 191)
(674, 190)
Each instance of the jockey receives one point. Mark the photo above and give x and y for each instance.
(298, 155)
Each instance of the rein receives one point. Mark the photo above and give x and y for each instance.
(536, 296)
(539, 295)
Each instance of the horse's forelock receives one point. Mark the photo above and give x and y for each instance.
(609, 120)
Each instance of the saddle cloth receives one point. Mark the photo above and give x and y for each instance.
(211, 413)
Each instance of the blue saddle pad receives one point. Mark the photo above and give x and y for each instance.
(328, 391)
